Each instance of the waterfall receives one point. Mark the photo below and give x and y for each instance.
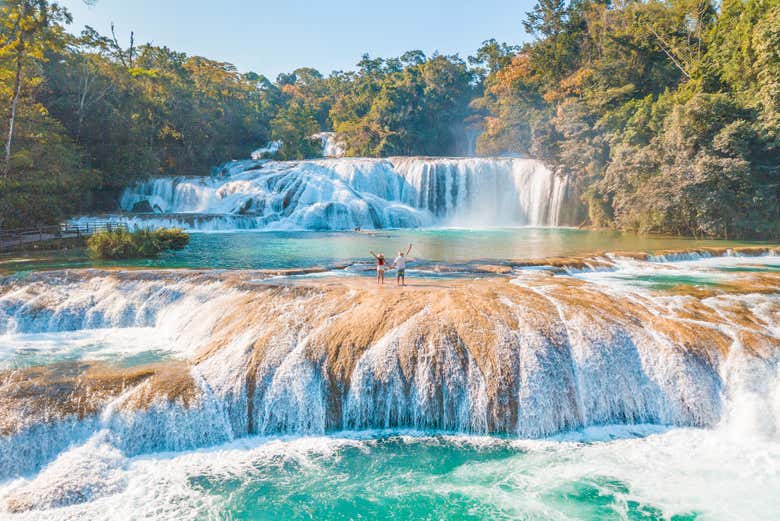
(337, 194)
(331, 145)
(532, 357)
(483, 192)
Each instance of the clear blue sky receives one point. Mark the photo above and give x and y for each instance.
(272, 37)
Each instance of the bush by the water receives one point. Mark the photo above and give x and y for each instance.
(123, 244)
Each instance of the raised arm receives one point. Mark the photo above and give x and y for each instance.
(408, 249)
(374, 254)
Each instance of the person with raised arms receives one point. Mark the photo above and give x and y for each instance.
(381, 265)
(400, 264)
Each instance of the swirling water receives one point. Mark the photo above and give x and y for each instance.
(642, 473)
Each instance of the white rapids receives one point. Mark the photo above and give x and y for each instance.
(620, 396)
(348, 193)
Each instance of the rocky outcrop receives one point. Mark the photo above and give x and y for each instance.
(142, 206)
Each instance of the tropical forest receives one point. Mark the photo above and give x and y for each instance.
(664, 115)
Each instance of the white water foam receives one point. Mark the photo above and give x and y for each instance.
(114, 345)
(347, 193)
(677, 471)
(584, 371)
(689, 268)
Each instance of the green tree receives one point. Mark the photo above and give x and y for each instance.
(293, 126)
(29, 29)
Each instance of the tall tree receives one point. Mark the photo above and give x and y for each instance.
(28, 30)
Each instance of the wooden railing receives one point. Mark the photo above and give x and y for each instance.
(23, 238)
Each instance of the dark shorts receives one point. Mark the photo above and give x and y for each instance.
(401, 272)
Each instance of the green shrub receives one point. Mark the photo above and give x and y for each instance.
(144, 243)
(172, 238)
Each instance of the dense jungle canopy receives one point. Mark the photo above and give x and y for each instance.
(665, 114)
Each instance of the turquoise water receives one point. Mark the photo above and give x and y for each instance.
(704, 273)
(275, 250)
(122, 347)
(647, 473)
(752, 269)
(430, 478)
(665, 281)
(610, 473)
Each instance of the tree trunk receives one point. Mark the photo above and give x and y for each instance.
(82, 102)
(12, 118)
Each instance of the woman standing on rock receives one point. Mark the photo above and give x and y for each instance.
(381, 265)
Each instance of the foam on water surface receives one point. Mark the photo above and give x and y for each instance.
(120, 346)
(647, 473)
(696, 270)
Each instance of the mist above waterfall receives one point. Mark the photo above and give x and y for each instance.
(338, 194)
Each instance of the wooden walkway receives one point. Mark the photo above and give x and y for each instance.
(32, 238)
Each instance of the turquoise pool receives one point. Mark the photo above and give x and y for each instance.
(275, 250)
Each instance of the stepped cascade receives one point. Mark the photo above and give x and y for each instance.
(347, 193)
(529, 355)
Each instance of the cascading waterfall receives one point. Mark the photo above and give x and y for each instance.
(530, 356)
(336, 194)
(331, 145)
(474, 192)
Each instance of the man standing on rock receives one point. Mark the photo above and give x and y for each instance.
(400, 264)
